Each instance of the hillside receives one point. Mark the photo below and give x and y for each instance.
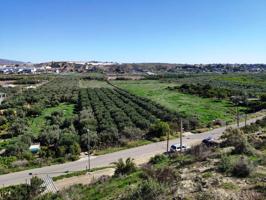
(10, 62)
(127, 68)
(234, 169)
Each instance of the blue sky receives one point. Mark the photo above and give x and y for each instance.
(177, 31)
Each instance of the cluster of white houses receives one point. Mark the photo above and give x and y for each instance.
(17, 70)
(9, 69)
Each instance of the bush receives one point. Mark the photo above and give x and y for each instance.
(16, 149)
(182, 159)
(251, 195)
(131, 133)
(146, 190)
(242, 168)
(158, 159)
(237, 139)
(201, 152)
(225, 164)
(207, 195)
(23, 191)
(260, 187)
(123, 168)
(164, 175)
(159, 129)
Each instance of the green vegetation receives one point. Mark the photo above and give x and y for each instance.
(101, 190)
(24, 191)
(124, 167)
(38, 123)
(205, 109)
(165, 175)
(206, 91)
(161, 177)
(63, 113)
(252, 84)
(44, 115)
(69, 109)
(78, 173)
(229, 186)
(116, 118)
(94, 76)
(84, 83)
(128, 145)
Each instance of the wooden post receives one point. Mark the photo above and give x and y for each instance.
(246, 116)
(167, 142)
(88, 147)
(181, 131)
(237, 116)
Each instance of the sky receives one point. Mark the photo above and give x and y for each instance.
(174, 31)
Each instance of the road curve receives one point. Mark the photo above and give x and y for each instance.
(137, 153)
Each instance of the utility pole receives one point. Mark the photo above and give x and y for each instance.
(88, 148)
(237, 116)
(167, 142)
(181, 131)
(246, 116)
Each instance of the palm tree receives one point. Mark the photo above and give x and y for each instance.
(122, 168)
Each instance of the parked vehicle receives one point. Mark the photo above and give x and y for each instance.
(209, 141)
(176, 147)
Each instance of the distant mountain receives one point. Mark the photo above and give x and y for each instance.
(10, 62)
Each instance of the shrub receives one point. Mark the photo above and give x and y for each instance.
(251, 195)
(165, 175)
(122, 168)
(236, 138)
(207, 175)
(93, 140)
(102, 179)
(146, 190)
(205, 195)
(181, 159)
(16, 149)
(19, 163)
(229, 186)
(260, 187)
(23, 191)
(131, 133)
(159, 129)
(256, 141)
(158, 159)
(242, 168)
(263, 97)
(201, 152)
(225, 164)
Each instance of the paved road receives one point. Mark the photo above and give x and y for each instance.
(138, 153)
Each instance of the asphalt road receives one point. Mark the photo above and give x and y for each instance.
(138, 153)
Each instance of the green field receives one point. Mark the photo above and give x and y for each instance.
(254, 84)
(248, 79)
(204, 109)
(36, 124)
(93, 84)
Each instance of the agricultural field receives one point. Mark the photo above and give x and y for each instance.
(204, 109)
(42, 115)
(84, 83)
(67, 110)
(63, 113)
(250, 84)
(38, 123)
(118, 117)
